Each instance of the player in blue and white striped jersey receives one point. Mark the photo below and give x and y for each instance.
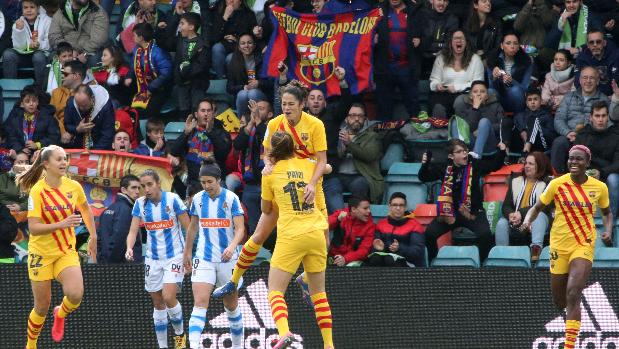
(217, 219)
(163, 214)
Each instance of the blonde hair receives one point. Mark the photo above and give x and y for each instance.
(28, 178)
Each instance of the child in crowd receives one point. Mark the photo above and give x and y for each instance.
(535, 124)
(112, 74)
(559, 81)
(64, 55)
(154, 144)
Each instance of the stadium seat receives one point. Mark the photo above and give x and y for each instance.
(171, 104)
(444, 240)
(437, 146)
(217, 90)
(495, 191)
(509, 256)
(457, 256)
(11, 88)
(379, 212)
(405, 172)
(425, 213)
(416, 193)
(393, 154)
(606, 257)
(544, 259)
(173, 130)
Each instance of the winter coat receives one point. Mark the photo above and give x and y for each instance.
(162, 66)
(533, 22)
(10, 193)
(352, 238)
(553, 38)
(554, 90)
(147, 149)
(241, 21)
(46, 129)
(102, 115)
(604, 146)
(196, 73)
(241, 143)
(521, 71)
(573, 111)
(607, 66)
(515, 184)
(487, 39)
(112, 233)
(22, 38)
(491, 109)
(8, 232)
(410, 236)
(90, 34)
(434, 30)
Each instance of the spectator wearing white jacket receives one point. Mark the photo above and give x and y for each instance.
(30, 42)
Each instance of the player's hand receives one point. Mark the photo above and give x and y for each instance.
(339, 261)
(267, 169)
(70, 222)
(228, 253)
(310, 192)
(607, 238)
(187, 262)
(92, 248)
(129, 255)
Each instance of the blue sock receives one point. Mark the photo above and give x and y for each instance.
(196, 326)
(235, 318)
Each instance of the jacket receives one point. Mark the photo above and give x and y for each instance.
(196, 72)
(433, 29)
(366, 150)
(162, 66)
(60, 96)
(553, 37)
(539, 125)
(487, 39)
(607, 66)
(521, 70)
(102, 115)
(10, 193)
(532, 23)
(241, 143)
(128, 17)
(237, 82)
(146, 148)
(168, 37)
(22, 38)
(573, 111)
(353, 239)
(381, 49)
(112, 233)
(491, 109)
(554, 90)
(90, 33)
(240, 22)
(46, 129)
(8, 232)
(515, 185)
(220, 139)
(604, 146)
(410, 236)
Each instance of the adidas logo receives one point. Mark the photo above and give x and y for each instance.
(260, 330)
(599, 326)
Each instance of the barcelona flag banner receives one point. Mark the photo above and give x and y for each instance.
(100, 171)
(315, 45)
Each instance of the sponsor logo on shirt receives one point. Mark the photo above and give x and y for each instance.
(159, 225)
(214, 223)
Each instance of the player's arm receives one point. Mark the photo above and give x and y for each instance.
(239, 234)
(321, 163)
(191, 237)
(532, 215)
(133, 233)
(89, 221)
(607, 218)
(266, 206)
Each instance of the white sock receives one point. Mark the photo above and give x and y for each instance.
(197, 321)
(237, 333)
(160, 317)
(176, 318)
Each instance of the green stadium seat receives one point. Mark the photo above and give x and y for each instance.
(509, 256)
(394, 154)
(173, 130)
(379, 212)
(406, 172)
(606, 257)
(544, 259)
(11, 88)
(457, 256)
(217, 90)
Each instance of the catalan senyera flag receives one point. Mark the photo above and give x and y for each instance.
(314, 45)
(100, 171)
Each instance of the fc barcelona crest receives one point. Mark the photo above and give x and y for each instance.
(316, 63)
(304, 136)
(69, 195)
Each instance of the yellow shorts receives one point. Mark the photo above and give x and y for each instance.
(43, 268)
(560, 259)
(310, 248)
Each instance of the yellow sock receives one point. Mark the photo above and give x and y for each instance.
(35, 324)
(323, 317)
(66, 307)
(246, 258)
(279, 310)
(572, 327)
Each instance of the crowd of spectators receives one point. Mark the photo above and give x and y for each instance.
(504, 77)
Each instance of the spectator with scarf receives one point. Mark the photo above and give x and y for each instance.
(152, 69)
(64, 55)
(31, 125)
(459, 203)
(559, 81)
(169, 35)
(249, 143)
(10, 195)
(139, 11)
(399, 239)
(522, 193)
(571, 30)
(89, 118)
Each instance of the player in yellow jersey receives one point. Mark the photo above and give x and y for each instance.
(52, 205)
(573, 235)
(310, 142)
(300, 237)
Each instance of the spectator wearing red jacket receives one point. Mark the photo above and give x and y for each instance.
(353, 231)
(399, 240)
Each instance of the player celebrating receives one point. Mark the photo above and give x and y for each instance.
(219, 215)
(300, 237)
(161, 213)
(573, 234)
(310, 141)
(52, 254)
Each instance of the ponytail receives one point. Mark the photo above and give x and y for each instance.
(282, 146)
(28, 178)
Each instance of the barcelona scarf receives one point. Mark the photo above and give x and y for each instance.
(316, 44)
(144, 73)
(444, 203)
(200, 146)
(30, 121)
(248, 174)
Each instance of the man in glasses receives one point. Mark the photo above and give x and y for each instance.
(601, 55)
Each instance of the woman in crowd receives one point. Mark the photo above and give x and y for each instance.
(10, 195)
(483, 31)
(523, 192)
(455, 68)
(112, 75)
(559, 81)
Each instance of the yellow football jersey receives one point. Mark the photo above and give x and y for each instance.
(53, 205)
(309, 134)
(575, 205)
(285, 187)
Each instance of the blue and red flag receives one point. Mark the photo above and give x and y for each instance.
(314, 45)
